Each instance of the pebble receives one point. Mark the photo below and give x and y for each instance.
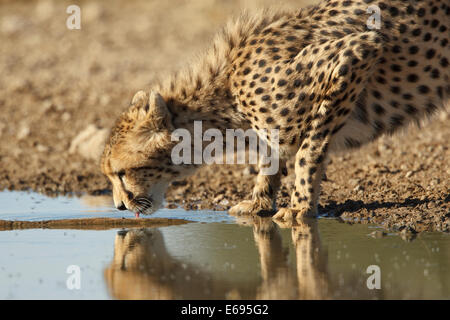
(408, 234)
(24, 132)
(42, 148)
(66, 116)
(46, 105)
(409, 174)
(219, 198)
(104, 99)
(378, 234)
(89, 142)
(435, 182)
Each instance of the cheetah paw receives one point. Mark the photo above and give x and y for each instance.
(288, 214)
(249, 207)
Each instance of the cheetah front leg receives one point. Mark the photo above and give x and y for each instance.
(263, 195)
(310, 165)
(355, 54)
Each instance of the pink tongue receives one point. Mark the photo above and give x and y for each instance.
(136, 214)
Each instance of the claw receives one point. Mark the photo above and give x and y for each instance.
(285, 214)
(289, 214)
(249, 207)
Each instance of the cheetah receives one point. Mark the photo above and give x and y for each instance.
(321, 76)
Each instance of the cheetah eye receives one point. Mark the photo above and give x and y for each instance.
(121, 173)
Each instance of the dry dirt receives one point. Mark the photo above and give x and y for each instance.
(90, 223)
(57, 82)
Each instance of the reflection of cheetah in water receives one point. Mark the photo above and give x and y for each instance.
(318, 75)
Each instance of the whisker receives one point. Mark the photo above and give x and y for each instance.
(143, 204)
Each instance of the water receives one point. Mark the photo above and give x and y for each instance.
(215, 257)
(37, 207)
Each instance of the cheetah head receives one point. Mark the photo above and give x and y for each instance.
(137, 156)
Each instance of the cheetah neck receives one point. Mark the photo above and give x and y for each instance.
(197, 100)
(202, 92)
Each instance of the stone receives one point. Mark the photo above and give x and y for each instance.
(23, 132)
(89, 143)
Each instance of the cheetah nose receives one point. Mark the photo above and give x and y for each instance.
(122, 233)
(121, 207)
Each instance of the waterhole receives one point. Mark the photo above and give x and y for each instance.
(215, 256)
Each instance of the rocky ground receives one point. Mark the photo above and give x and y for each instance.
(61, 90)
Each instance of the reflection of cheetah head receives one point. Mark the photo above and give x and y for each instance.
(137, 157)
(139, 250)
(140, 258)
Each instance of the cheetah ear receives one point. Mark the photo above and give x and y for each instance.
(157, 105)
(151, 106)
(140, 99)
